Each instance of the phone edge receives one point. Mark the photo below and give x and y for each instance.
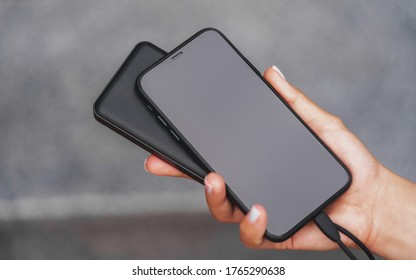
(230, 194)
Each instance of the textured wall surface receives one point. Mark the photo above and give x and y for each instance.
(71, 188)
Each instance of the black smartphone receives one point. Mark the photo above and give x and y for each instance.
(218, 105)
(121, 109)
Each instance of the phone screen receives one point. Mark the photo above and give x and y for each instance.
(222, 109)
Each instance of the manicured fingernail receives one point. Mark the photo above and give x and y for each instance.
(274, 67)
(145, 162)
(208, 185)
(253, 215)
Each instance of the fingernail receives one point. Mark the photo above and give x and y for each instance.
(145, 162)
(253, 215)
(274, 67)
(208, 185)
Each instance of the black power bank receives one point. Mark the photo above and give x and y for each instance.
(122, 109)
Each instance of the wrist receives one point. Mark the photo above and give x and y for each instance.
(395, 218)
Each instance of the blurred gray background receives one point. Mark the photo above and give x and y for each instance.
(71, 188)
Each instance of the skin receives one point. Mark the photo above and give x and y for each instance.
(379, 207)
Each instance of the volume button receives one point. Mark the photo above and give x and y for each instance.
(161, 120)
(174, 134)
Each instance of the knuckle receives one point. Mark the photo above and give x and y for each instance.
(249, 246)
(295, 97)
(248, 243)
(220, 217)
(336, 121)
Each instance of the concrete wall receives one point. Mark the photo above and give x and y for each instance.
(70, 188)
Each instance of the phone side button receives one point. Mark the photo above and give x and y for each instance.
(176, 136)
(150, 108)
(161, 120)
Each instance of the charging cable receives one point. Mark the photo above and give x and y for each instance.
(331, 230)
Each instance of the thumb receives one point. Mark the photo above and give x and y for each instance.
(314, 116)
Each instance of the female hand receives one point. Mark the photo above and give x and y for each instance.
(379, 207)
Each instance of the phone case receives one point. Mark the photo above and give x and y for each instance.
(121, 109)
(168, 125)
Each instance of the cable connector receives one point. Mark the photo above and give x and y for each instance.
(327, 227)
(331, 230)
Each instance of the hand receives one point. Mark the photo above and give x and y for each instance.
(369, 209)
